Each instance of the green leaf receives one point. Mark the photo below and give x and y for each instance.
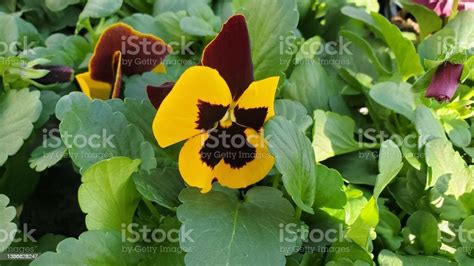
(17, 180)
(13, 33)
(452, 195)
(427, 125)
(408, 61)
(310, 85)
(347, 253)
(100, 8)
(168, 251)
(108, 195)
(397, 97)
(388, 229)
(226, 231)
(421, 233)
(295, 112)
(266, 34)
(407, 190)
(162, 6)
(436, 153)
(390, 164)
(58, 5)
(456, 37)
(161, 186)
(459, 131)
(466, 231)
(329, 188)
(92, 248)
(388, 258)
(333, 134)
(141, 113)
(92, 131)
(7, 227)
(367, 48)
(356, 167)
(360, 230)
(19, 109)
(47, 155)
(197, 26)
(48, 100)
(294, 159)
(426, 18)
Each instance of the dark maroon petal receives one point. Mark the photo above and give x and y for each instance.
(57, 74)
(218, 147)
(253, 118)
(156, 94)
(445, 81)
(209, 115)
(441, 7)
(140, 52)
(230, 54)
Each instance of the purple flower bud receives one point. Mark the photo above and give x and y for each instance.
(445, 81)
(57, 74)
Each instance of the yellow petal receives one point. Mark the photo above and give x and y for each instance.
(194, 171)
(250, 173)
(260, 94)
(177, 117)
(92, 88)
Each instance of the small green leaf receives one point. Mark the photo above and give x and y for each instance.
(310, 85)
(458, 131)
(58, 5)
(388, 258)
(333, 134)
(7, 227)
(329, 188)
(92, 248)
(397, 97)
(19, 109)
(455, 37)
(108, 195)
(436, 153)
(226, 231)
(295, 112)
(421, 233)
(294, 159)
(390, 164)
(93, 131)
(161, 186)
(47, 155)
(100, 8)
(427, 125)
(267, 34)
(388, 230)
(466, 231)
(196, 26)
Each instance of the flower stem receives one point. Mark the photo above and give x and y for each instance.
(298, 213)
(152, 208)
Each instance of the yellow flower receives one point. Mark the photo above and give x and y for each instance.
(220, 110)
